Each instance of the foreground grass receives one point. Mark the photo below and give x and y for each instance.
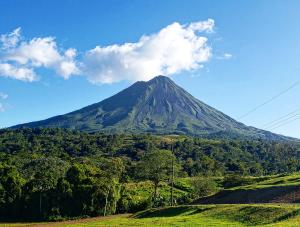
(198, 215)
(273, 180)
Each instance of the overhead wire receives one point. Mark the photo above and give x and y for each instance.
(279, 126)
(268, 124)
(269, 100)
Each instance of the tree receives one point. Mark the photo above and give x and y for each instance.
(203, 186)
(10, 190)
(44, 174)
(95, 191)
(156, 166)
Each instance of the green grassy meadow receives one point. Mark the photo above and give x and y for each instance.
(273, 186)
(275, 214)
(198, 215)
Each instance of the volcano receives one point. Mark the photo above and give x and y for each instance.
(158, 106)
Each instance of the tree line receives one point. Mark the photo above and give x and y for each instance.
(58, 173)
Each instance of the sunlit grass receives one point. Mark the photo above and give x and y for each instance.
(198, 215)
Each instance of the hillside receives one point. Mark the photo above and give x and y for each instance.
(250, 190)
(267, 189)
(197, 155)
(157, 106)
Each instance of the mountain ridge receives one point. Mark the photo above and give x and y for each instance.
(155, 106)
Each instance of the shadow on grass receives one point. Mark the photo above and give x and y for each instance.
(288, 215)
(200, 210)
(275, 194)
(171, 211)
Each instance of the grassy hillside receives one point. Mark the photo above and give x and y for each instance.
(200, 215)
(273, 214)
(267, 189)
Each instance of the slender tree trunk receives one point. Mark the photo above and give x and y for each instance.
(40, 204)
(105, 206)
(155, 190)
(172, 182)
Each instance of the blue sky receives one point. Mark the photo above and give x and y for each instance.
(253, 55)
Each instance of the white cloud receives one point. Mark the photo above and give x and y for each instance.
(17, 72)
(71, 53)
(1, 107)
(227, 56)
(19, 60)
(3, 95)
(202, 26)
(173, 49)
(10, 40)
(224, 56)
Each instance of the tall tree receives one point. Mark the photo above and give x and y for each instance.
(156, 166)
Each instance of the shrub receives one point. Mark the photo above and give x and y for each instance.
(203, 186)
(234, 180)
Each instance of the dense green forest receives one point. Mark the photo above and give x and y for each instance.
(57, 173)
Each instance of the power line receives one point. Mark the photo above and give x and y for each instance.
(283, 121)
(295, 119)
(278, 119)
(269, 100)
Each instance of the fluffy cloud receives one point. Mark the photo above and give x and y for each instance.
(19, 59)
(17, 72)
(10, 40)
(173, 49)
(202, 26)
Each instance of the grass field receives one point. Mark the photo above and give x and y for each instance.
(281, 214)
(198, 215)
(269, 181)
(265, 189)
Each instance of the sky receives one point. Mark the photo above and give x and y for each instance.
(236, 56)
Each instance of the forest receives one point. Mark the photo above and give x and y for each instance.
(50, 174)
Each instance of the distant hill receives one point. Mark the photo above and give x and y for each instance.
(156, 106)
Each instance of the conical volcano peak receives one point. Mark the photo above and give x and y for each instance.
(156, 106)
(162, 84)
(160, 79)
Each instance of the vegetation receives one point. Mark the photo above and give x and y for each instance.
(156, 166)
(53, 174)
(200, 215)
(203, 186)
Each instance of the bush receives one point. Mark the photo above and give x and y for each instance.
(127, 205)
(185, 199)
(236, 180)
(203, 186)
